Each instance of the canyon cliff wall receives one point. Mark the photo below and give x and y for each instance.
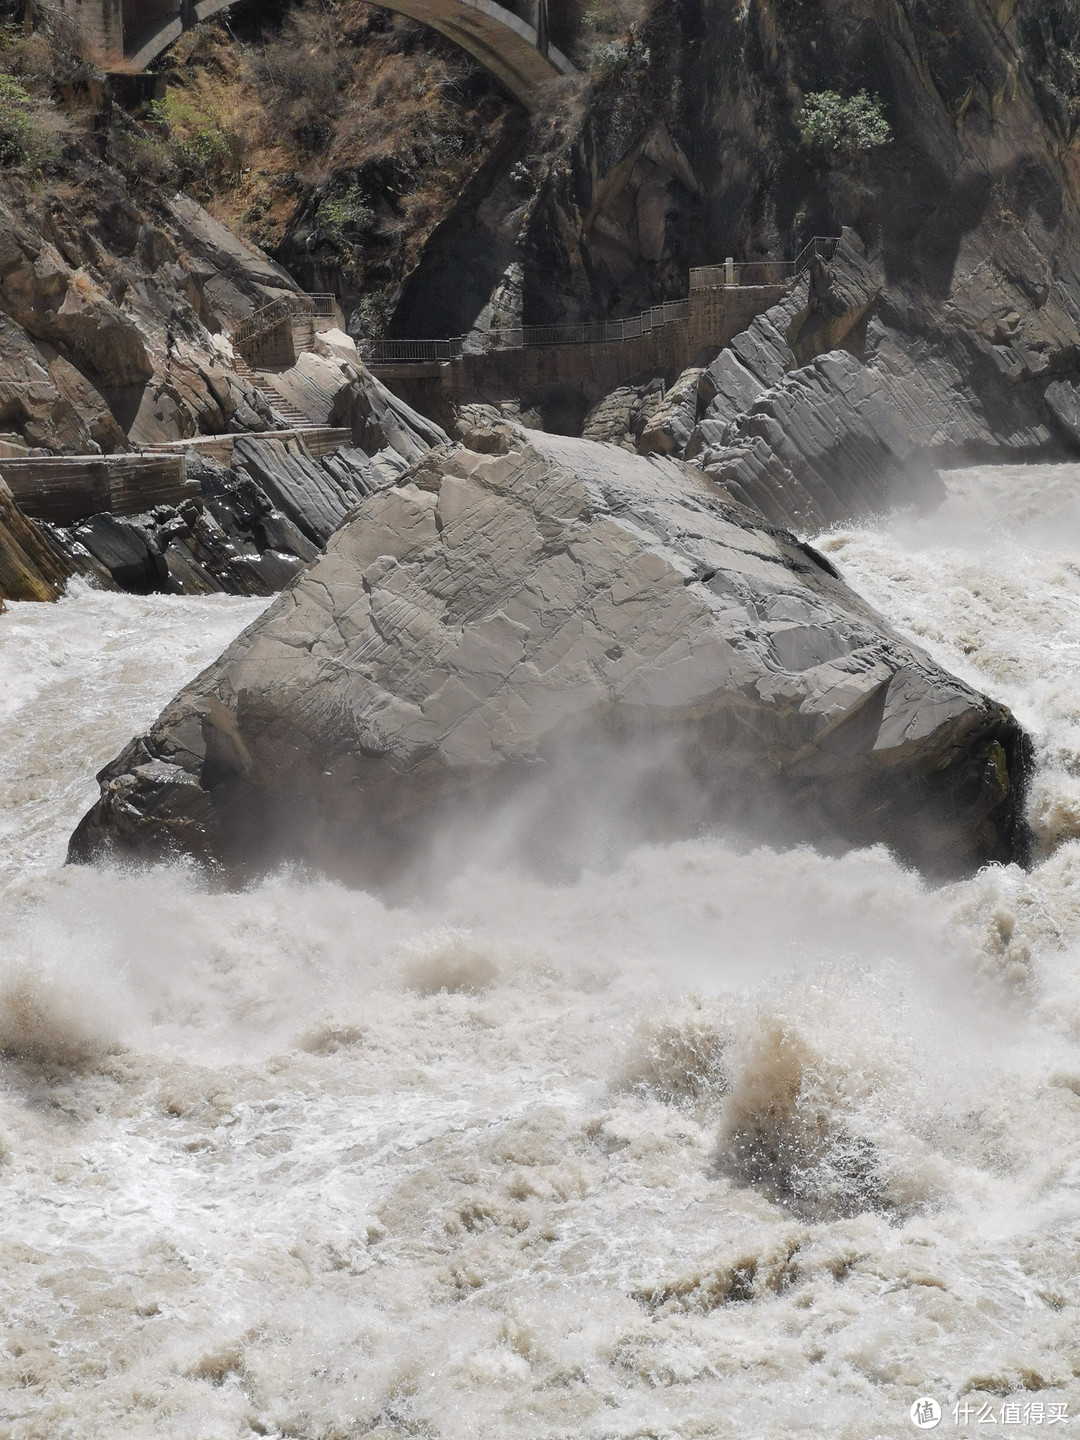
(691, 151)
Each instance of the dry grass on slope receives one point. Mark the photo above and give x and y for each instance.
(338, 140)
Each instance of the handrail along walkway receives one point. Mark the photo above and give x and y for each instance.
(750, 274)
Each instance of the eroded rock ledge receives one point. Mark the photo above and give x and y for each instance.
(555, 649)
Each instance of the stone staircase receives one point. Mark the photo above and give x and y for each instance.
(294, 419)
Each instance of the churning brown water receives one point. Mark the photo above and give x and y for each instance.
(720, 1143)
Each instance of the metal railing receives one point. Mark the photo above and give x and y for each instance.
(389, 352)
(763, 272)
(285, 307)
(741, 274)
(275, 313)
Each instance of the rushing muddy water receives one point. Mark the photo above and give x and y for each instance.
(719, 1143)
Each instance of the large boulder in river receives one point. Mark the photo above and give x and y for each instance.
(556, 649)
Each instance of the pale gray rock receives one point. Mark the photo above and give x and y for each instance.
(619, 417)
(563, 647)
(1063, 399)
(235, 276)
(315, 498)
(833, 426)
(668, 429)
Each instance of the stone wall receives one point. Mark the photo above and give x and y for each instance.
(141, 14)
(65, 489)
(277, 347)
(318, 440)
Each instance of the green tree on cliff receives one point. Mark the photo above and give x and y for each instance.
(843, 126)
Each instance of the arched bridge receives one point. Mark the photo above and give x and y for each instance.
(512, 43)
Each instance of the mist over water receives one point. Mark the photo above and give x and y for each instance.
(714, 1143)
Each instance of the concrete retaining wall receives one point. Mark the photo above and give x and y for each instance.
(319, 440)
(592, 369)
(67, 488)
(275, 348)
(101, 22)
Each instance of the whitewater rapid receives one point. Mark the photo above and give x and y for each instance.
(734, 1143)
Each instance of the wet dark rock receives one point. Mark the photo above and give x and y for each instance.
(246, 512)
(313, 497)
(127, 550)
(256, 525)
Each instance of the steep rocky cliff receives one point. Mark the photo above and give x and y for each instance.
(335, 136)
(32, 567)
(113, 315)
(691, 151)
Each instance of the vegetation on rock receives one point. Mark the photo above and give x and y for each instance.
(337, 138)
(30, 123)
(843, 126)
(15, 125)
(200, 144)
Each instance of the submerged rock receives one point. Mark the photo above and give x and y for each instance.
(559, 649)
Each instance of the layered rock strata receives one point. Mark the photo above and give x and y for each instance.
(249, 527)
(812, 415)
(555, 650)
(32, 566)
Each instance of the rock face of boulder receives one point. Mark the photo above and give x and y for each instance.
(32, 567)
(558, 646)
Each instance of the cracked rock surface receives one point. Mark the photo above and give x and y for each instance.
(504, 635)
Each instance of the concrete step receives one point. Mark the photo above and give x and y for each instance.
(285, 408)
(294, 419)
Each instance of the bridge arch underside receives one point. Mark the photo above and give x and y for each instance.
(496, 38)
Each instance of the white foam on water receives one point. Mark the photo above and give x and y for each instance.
(79, 679)
(715, 1143)
(989, 584)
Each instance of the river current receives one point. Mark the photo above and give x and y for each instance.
(723, 1142)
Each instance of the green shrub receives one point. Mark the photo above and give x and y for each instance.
(843, 126)
(16, 123)
(619, 54)
(143, 158)
(198, 142)
(347, 214)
